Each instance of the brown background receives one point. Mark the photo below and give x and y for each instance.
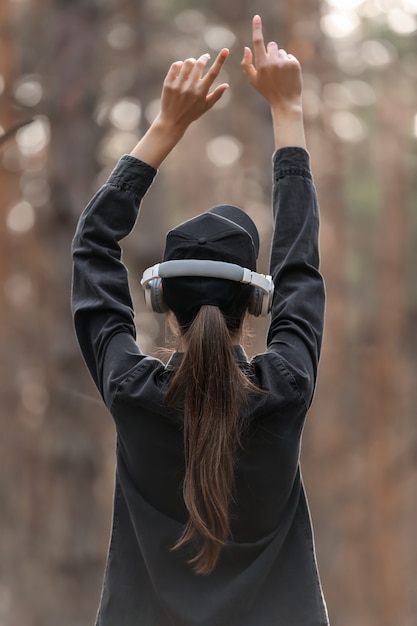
(65, 66)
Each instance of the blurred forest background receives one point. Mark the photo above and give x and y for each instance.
(79, 82)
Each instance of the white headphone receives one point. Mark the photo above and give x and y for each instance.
(259, 304)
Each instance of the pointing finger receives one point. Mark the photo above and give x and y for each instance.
(258, 39)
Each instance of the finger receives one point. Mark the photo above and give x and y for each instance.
(199, 66)
(247, 64)
(258, 39)
(272, 47)
(247, 57)
(187, 68)
(294, 59)
(173, 71)
(215, 96)
(215, 69)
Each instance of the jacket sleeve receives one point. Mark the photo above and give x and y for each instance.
(297, 316)
(101, 302)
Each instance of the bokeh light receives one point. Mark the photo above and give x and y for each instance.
(345, 4)
(410, 6)
(115, 144)
(125, 114)
(121, 37)
(401, 22)
(360, 93)
(217, 37)
(348, 126)
(387, 5)
(190, 21)
(378, 53)
(340, 24)
(224, 150)
(34, 137)
(336, 95)
(21, 217)
(369, 9)
(28, 91)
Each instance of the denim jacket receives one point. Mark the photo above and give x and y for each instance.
(267, 573)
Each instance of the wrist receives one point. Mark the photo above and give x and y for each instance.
(288, 126)
(291, 111)
(159, 140)
(167, 129)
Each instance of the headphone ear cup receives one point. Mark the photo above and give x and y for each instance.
(154, 298)
(256, 302)
(260, 302)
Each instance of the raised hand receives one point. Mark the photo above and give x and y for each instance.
(186, 92)
(186, 96)
(275, 74)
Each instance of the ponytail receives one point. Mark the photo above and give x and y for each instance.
(214, 391)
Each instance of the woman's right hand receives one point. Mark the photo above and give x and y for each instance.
(186, 94)
(276, 75)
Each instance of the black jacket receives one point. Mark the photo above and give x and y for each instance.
(267, 575)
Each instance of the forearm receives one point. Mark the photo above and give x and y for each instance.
(288, 127)
(160, 139)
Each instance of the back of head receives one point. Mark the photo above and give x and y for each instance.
(225, 233)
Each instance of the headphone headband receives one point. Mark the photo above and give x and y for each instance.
(263, 286)
(209, 269)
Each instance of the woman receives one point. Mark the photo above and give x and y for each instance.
(210, 523)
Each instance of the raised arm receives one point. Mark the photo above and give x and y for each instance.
(276, 75)
(101, 302)
(297, 316)
(185, 97)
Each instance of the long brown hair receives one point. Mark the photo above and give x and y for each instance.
(213, 390)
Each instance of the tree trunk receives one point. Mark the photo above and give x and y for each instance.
(385, 375)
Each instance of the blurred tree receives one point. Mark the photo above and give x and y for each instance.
(367, 106)
(52, 534)
(8, 124)
(88, 73)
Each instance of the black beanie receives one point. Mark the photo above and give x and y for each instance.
(225, 233)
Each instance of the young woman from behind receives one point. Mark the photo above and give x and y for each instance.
(211, 524)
